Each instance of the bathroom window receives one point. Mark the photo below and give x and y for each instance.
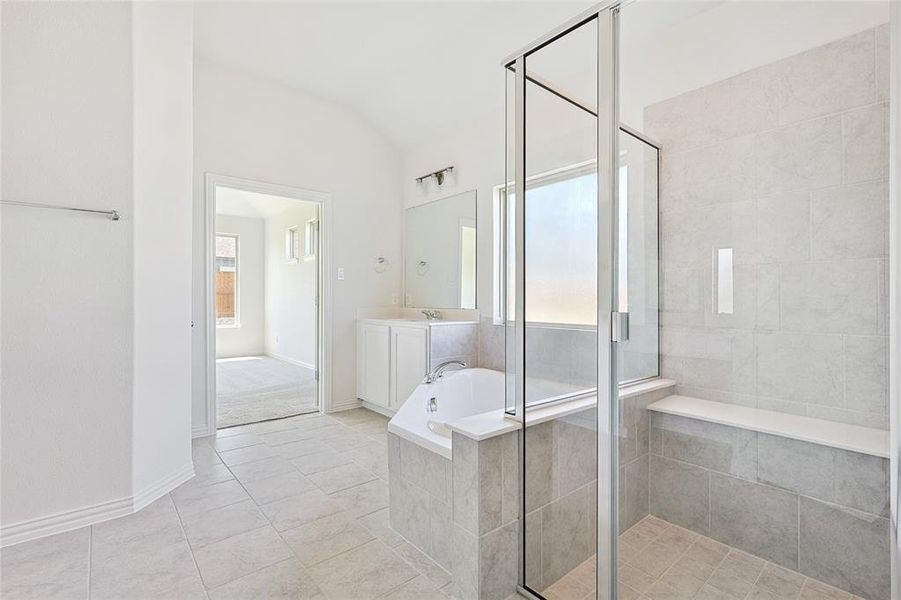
(561, 238)
(226, 280)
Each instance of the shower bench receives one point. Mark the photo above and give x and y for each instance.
(808, 494)
(865, 440)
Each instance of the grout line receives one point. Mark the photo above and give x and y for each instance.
(181, 527)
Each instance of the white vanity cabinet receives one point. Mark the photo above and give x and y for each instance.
(392, 359)
(409, 362)
(373, 363)
(394, 355)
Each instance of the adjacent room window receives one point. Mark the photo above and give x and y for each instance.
(226, 280)
(292, 244)
(311, 239)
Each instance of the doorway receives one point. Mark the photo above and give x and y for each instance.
(265, 246)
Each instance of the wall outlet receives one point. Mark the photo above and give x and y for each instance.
(408, 299)
(395, 299)
(340, 273)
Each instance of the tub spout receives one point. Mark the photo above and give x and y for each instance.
(438, 372)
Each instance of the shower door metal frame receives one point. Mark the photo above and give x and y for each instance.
(606, 18)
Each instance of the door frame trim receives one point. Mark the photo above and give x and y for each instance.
(324, 350)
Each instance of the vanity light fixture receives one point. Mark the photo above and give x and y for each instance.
(439, 175)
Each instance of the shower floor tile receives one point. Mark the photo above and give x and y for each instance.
(662, 561)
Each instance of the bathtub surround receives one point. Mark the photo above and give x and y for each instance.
(793, 178)
(464, 513)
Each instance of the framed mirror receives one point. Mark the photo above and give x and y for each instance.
(440, 253)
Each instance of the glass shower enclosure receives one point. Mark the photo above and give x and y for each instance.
(567, 294)
(695, 301)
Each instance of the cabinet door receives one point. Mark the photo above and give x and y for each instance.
(409, 361)
(373, 363)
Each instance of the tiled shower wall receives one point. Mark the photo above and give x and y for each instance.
(787, 165)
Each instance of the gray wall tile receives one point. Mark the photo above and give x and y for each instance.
(708, 445)
(454, 340)
(861, 482)
(510, 500)
(575, 446)
(540, 479)
(850, 221)
(783, 226)
(441, 524)
(829, 297)
(491, 344)
(409, 511)
(465, 560)
(499, 562)
(768, 311)
(844, 548)
(865, 133)
(866, 373)
(423, 468)
(533, 546)
(634, 492)
(800, 367)
(679, 493)
(796, 466)
(883, 38)
(466, 482)
(490, 491)
(823, 80)
(802, 156)
(568, 533)
(755, 518)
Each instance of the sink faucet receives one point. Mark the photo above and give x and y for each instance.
(438, 372)
(431, 314)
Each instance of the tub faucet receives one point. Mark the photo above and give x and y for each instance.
(438, 372)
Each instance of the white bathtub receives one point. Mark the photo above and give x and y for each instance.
(459, 394)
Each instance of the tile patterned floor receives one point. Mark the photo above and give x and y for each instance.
(661, 561)
(251, 389)
(295, 508)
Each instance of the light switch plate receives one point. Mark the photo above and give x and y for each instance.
(340, 273)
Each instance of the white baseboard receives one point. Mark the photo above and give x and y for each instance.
(201, 431)
(162, 487)
(64, 521)
(33, 529)
(345, 405)
(299, 363)
(379, 409)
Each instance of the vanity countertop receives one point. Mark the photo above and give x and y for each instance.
(415, 322)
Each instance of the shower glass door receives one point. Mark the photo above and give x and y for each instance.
(560, 284)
